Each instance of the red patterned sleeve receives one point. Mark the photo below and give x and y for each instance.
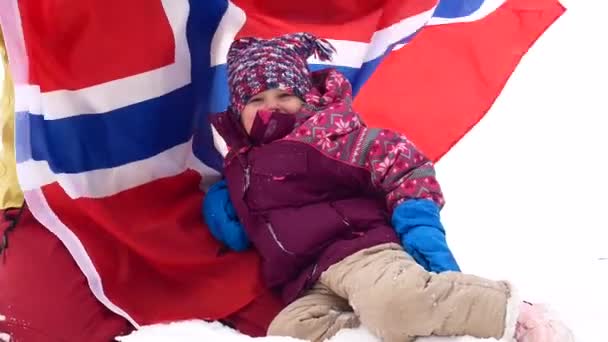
(397, 167)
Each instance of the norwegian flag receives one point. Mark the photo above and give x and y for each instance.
(112, 99)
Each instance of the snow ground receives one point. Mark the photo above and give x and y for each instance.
(526, 188)
(192, 331)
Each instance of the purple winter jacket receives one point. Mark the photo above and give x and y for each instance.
(314, 187)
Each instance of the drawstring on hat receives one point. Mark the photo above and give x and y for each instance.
(323, 49)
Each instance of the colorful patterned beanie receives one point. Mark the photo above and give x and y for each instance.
(256, 65)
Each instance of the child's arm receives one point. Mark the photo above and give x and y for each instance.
(413, 196)
(220, 216)
(399, 169)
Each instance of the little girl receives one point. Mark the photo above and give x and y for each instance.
(327, 201)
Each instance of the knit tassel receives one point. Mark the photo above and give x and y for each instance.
(323, 49)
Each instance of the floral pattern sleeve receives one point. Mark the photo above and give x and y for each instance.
(397, 167)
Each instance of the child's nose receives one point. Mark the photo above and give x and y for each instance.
(271, 104)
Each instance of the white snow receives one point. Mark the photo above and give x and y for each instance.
(196, 331)
(526, 189)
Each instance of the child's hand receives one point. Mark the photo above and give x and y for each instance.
(220, 216)
(418, 225)
(429, 248)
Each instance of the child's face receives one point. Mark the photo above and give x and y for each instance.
(272, 100)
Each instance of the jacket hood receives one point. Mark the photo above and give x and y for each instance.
(330, 88)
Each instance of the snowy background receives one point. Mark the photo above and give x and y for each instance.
(527, 187)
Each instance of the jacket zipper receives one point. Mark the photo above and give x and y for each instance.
(243, 158)
(312, 274)
(247, 179)
(340, 213)
(345, 221)
(276, 239)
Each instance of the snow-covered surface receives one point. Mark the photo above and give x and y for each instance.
(526, 189)
(196, 331)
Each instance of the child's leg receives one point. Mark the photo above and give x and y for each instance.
(398, 300)
(316, 316)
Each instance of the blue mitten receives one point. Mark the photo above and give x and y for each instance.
(220, 216)
(420, 230)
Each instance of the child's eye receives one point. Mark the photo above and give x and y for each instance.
(285, 95)
(255, 100)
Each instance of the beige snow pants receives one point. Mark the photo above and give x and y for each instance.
(384, 289)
